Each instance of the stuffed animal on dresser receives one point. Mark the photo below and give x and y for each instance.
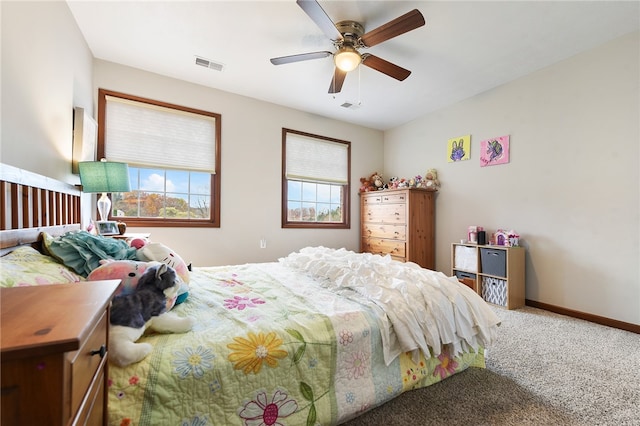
(146, 307)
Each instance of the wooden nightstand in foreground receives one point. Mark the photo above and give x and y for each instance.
(53, 349)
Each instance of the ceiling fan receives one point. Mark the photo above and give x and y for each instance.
(348, 37)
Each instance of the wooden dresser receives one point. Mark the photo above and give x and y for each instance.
(400, 223)
(53, 346)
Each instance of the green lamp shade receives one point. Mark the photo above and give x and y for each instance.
(104, 176)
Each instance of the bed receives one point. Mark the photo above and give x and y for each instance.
(318, 337)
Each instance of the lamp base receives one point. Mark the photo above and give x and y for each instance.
(104, 207)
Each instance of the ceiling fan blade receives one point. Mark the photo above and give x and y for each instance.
(405, 23)
(337, 80)
(385, 67)
(298, 58)
(320, 17)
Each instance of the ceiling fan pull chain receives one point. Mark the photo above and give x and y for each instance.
(333, 87)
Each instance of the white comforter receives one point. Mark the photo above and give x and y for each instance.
(417, 309)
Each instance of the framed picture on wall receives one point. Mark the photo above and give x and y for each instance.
(494, 151)
(85, 136)
(459, 149)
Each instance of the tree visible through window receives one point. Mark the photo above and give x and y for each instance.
(316, 181)
(173, 154)
(167, 194)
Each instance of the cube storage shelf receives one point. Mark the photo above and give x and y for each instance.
(497, 271)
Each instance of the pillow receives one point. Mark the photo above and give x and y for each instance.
(25, 266)
(129, 272)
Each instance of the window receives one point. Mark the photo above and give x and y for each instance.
(173, 154)
(316, 179)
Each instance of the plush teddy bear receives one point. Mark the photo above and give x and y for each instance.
(133, 313)
(430, 180)
(366, 185)
(378, 181)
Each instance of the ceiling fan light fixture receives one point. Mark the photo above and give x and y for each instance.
(347, 59)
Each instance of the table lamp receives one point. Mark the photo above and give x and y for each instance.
(104, 176)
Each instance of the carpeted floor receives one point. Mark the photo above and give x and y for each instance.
(545, 369)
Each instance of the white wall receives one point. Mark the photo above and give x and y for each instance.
(251, 170)
(46, 71)
(571, 188)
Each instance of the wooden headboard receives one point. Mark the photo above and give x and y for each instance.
(31, 203)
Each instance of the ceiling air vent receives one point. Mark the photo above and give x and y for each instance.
(350, 105)
(208, 64)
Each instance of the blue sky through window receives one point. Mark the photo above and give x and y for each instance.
(193, 187)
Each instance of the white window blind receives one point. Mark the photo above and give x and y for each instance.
(316, 160)
(153, 136)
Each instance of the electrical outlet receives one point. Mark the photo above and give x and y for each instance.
(263, 243)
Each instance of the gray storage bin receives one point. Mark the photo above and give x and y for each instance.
(494, 291)
(469, 276)
(494, 262)
(462, 274)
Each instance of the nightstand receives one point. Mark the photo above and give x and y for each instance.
(131, 235)
(53, 346)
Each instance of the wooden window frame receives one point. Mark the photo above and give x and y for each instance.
(214, 220)
(346, 200)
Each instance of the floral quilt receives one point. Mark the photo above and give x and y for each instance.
(271, 346)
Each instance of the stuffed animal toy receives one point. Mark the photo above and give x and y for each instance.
(132, 314)
(156, 252)
(138, 243)
(129, 273)
(148, 252)
(366, 185)
(430, 180)
(374, 183)
(378, 181)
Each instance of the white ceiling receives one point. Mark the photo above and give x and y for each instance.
(465, 48)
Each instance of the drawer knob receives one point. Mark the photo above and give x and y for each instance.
(102, 351)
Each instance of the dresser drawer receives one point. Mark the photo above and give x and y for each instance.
(393, 232)
(383, 247)
(394, 198)
(92, 408)
(385, 213)
(84, 365)
(371, 199)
